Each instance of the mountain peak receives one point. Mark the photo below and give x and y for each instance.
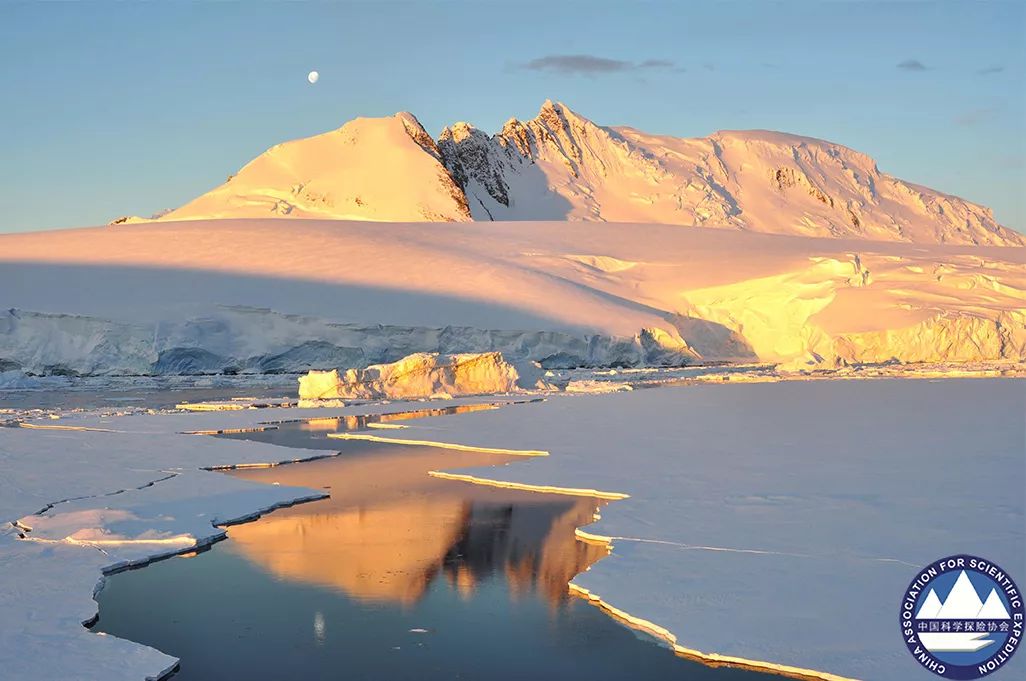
(459, 131)
(559, 114)
(417, 132)
(407, 117)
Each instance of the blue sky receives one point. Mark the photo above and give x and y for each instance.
(113, 109)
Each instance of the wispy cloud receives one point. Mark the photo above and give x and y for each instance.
(577, 63)
(657, 64)
(991, 70)
(975, 116)
(911, 65)
(591, 65)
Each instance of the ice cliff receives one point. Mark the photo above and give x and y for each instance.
(228, 340)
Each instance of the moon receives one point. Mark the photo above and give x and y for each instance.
(312, 77)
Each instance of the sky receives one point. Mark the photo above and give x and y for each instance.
(119, 109)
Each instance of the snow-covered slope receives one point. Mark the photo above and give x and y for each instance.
(277, 295)
(561, 166)
(369, 169)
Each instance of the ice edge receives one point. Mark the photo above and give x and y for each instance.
(304, 495)
(432, 443)
(638, 623)
(713, 659)
(544, 489)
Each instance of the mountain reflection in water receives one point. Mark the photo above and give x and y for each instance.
(397, 576)
(333, 424)
(389, 528)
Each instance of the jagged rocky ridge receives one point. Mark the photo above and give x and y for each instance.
(562, 166)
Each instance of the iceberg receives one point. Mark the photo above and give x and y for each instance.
(422, 374)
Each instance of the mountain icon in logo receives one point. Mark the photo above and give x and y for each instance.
(962, 605)
(993, 609)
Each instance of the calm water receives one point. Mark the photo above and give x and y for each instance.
(397, 576)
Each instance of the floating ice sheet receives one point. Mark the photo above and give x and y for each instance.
(779, 522)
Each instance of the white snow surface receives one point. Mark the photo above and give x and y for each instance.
(293, 295)
(562, 166)
(779, 523)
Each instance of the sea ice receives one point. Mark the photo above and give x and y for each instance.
(79, 502)
(92, 492)
(778, 523)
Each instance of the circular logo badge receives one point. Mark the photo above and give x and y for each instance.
(962, 617)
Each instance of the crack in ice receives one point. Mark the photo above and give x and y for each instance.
(764, 552)
(50, 506)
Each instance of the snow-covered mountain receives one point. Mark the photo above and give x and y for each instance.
(386, 169)
(561, 166)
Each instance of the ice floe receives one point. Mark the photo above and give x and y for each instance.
(776, 523)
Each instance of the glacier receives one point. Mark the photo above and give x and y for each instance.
(165, 298)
